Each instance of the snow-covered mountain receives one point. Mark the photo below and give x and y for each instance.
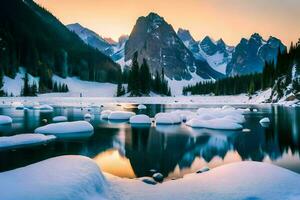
(216, 53)
(250, 55)
(106, 45)
(156, 41)
(91, 38)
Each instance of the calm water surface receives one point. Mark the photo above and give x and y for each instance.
(127, 151)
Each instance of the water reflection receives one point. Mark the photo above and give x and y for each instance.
(174, 151)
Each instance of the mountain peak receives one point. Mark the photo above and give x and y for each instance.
(153, 15)
(185, 35)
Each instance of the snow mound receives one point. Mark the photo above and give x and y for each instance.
(43, 108)
(87, 116)
(265, 120)
(120, 115)
(140, 119)
(60, 119)
(105, 114)
(252, 180)
(5, 120)
(218, 123)
(60, 178)
(185, 115)
(67, 130)
(142, 107)
(24, 140)
(167, 118)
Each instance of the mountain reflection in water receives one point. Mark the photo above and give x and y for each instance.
(128, 151)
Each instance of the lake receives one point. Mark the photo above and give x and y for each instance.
(174, 151)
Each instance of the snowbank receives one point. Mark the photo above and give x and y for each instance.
(5, 120)
(60, 119)
(120, 115)
(167, 118)
(24, 140)
(105, 114)
(67, 130)
(60, 178)
(252, 180)
(217, 123)
(140, 119)
(142, 107)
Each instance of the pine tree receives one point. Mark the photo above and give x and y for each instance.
(33, 89)
(134, 77)
(120, 89)
(145, 78)
(55, 88)
(1, 83)
(26, 88)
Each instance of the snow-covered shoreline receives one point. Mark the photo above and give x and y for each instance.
(78, 177)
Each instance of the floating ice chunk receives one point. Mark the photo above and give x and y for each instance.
(140, 119)
(167, 118)
(78, 129)
(105, 114)
(60, 119)
(218, 123)
(44, 108)
(142, 107)
(65, 177)
(184, 115)
(120, 115)
(5, 120)
(24, 140)
(255, 110)
(265, 120)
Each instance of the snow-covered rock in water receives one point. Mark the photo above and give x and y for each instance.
(167, 118)
(158, 177)
(140, 119)
(184, 115)
(60, 178)
(105, 113)
(18, 105)
(202, 170)
(5, 120)
(228, 112)
(120, 115)
(44, 108)
(60, 119)
(142, 107)
(217, 123)
(265, 120)
(87, 116)
(24, 140)
(67, 130)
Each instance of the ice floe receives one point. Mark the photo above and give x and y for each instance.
(60, 119)
(140, 119)
(24, 140)
(265, 120)
(67, 130)
(5, 120)
(120, 115)
(142, 107)
(167, 118)
(105, 114)
(217, 123)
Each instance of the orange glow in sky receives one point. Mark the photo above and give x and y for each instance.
(229, 19)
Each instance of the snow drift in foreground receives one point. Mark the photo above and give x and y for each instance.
(252, 180)
(24, 140)
(60, 178)
(70, 130)
(78, 177)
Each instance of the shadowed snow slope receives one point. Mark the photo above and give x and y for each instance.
(252, 180)
(60, 178)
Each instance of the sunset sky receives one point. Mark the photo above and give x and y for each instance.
(229, 19)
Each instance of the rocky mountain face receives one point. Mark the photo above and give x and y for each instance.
(156, 41)
(216, 54)
(250, 55)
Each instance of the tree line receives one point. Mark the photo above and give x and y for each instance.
(277, 74)
(141, 82)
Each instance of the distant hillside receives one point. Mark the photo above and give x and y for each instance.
(33, 38)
